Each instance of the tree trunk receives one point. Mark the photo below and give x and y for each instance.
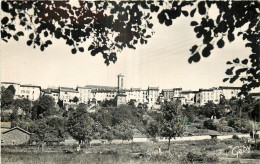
(169, 143)
(132, 146)
(42, 146)
(78, 148)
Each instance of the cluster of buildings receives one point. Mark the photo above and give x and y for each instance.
(202, 96)
(150, 96)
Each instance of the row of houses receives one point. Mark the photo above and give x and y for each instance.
(150, 95)
(86, 94)
(202, 96)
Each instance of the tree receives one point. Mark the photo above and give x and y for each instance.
(7, 99)
(43, 107)
(81, 126)
(75, 99)
(57, 129)
(105, 133)
(104, 117)
(152, 129)
(109, 103)
(39, 130)
(172, 122)
(11, 88)
(60, 103)
(81, 108)
(189, 112)
(124, 131)
(25, 105)
(112, 27)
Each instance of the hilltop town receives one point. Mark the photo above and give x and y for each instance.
(152, 96)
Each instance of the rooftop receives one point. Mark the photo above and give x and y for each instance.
(99, 87)
(171, 90)
(9, 83)
(207, 90)
(153, 88)
(65, 89)
(187, 92)
(17, 129)
(255, 94)
(50, 90)
(103, 90)
(227, 87)
(30, 85)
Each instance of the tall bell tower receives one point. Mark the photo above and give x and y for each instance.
(120, 82)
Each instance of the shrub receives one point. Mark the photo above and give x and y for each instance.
(227, 150)
(211, 159)
(209, 124)
(235, 137)
(224, 128)
(194, 157)
(251, 155)
(240, 125)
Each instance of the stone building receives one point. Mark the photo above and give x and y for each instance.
(15, 136)
(31, 92)
(153, 95)
(52, 92)
(68, 94)
(84, 94)
(169, 94)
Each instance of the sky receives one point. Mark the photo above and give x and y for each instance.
(162, 63)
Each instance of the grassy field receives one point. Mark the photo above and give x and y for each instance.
(203, 151)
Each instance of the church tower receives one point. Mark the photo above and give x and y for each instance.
(120, 82)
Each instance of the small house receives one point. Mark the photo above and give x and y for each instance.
(15, 136)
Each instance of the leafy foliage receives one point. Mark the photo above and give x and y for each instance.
(43, 107)
(209, 124)
(190, 112)
(25, 105)
(11, 88)
(170, 122)
(7, 98)
(75, 99)
(123, 131)
(240, 125)
(111, 27)
(81, 126)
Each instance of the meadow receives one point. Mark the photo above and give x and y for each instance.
(203, 151)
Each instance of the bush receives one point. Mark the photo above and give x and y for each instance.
(240, 125)
(227, 150)
(223, 128)
(251, 155)
(235, 137)
(209, 124)
(192, 157)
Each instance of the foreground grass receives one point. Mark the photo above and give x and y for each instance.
(203, 151)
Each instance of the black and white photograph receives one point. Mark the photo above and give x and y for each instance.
(114, 82)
